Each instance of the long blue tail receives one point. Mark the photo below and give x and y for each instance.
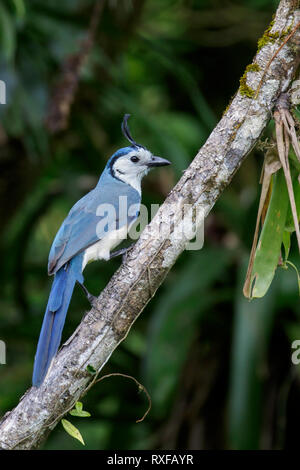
(55, 315)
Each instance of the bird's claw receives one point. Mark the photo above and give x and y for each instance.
(92, 299)
(122, 252)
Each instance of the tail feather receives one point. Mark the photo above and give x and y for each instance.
(54, 319)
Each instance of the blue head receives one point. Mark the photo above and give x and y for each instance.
(131, 164)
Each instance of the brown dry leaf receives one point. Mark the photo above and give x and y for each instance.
(283, 144)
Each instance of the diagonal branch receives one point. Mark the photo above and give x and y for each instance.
(146, 266)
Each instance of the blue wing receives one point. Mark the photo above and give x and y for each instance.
(83, 226)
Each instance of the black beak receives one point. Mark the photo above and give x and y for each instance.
(158, 161)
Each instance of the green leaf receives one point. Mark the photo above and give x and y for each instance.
(78, 406)
(7, 34)
(91, 369)
(252, 328)
(20, 8)
(79, 412)
(269, 245)
(72, 430)
(289, 225)
(286, 240)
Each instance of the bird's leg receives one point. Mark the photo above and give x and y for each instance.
(122, 251)
(91, 298)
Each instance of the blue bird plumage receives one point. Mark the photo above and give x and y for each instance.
(89, 233)
(54, 319)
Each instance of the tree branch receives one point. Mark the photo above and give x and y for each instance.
(136, 281)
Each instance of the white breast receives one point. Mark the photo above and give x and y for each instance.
(102, 248)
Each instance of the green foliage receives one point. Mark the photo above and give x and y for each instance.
(8, 38)
(269, 244)
(79, 412)
(180, 309)
(72, 430)
(91, 369)
(252, 326)
(289, 223)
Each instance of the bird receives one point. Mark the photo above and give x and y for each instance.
(95, 225)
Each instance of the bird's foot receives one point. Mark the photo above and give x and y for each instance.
(92, 300)
(122, 252)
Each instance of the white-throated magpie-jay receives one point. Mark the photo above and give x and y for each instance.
(94, 226)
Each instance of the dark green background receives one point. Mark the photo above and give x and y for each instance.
(218, 367)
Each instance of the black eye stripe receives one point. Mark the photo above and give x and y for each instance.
(134, 159)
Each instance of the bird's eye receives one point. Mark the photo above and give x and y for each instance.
(135, 159)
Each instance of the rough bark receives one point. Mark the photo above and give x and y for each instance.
(148, 263)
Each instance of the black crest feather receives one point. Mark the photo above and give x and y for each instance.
(126, 131)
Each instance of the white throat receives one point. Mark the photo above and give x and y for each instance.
(133, 180)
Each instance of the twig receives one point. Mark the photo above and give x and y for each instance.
(140, 386)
